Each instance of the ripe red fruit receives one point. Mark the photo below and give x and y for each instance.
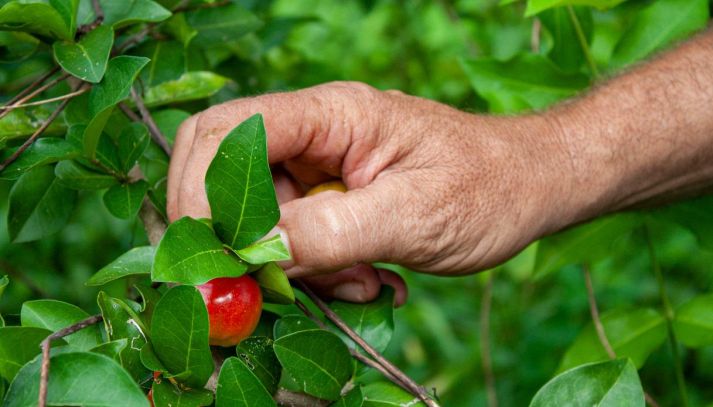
(234, 306)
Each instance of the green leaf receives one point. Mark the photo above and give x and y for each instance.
(525, 82)
(169, 120)
(584, 244)
(112, 349)
(20, 123)
(55, 315)
(121, 322)
(150, 360)
(239, 186)
(179, 329)
(693, 322)
(238, 386)
(86, 59)
(18, 345)
(632, 334)
(35, 18)
(275, 286)
(381, 394)
(67, 9)
(292, 323)
(257, 354)
(566, 52)
(16, 46)
(166, 394)
(659, 24)
(44, 151)
(373, 321)
(4, 281)
(536, 6)
(189, 253)
(219, 25)
(132, 143)
(120, 74)
(73, 175)
(168, 61)
(126, 12)
(694, 215)
(39, 205)
(190, 86)
(136, 261)
(316, 358)
(612, 383)
(80, 379)
(265, 251)
(355, 398)
(124, 200)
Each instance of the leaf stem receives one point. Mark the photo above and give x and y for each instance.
(668, 315)
(485, 351)
(155, 132)
(32, 86)
(583, 42)
(45, 101)
(8, 108)
(45, 345)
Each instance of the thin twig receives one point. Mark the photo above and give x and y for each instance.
(32, 86)
(8, 108)
(34, 136)
(413, 387)
(288, 398)
(98, 12)
(153, 222)
(146, 117)
(583, 42)
(485, 306)
(46, 344)
(134, 39)
(535, 35)
(45, 101)
(98, 19)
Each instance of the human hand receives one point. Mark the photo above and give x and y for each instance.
(430, 187)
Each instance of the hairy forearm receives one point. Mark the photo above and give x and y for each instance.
(645, 136)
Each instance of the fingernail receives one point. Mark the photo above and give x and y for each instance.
(285, 264)
(352, 291)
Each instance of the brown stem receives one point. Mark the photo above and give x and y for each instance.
(45, 367)
(155, 132)
(45, 101)
(34, 136)
(8, 107)
(153, 222)
(535, 35)
(287, 398)
(134, 39)
(32, 86)
(485, 306)
(412, 386)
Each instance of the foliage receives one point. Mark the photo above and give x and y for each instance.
(72, 244)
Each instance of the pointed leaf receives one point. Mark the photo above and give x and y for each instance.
(73, 175)
(180, 335)
(693, 322)
(292, 323)
(190, 86)
(239, 387)
(136, 261)
(124, 200)
(373, 321)
(39, 205)
(44, 151)
(275, 286)
(168, 62)
(239, 186)
(166, 394)
(386, 394)
(86, 59)
(126, 12)
(112, 349)
(566, 53)
(189, 253)
(265, 251)
(55, 315)
(257, 354)
(35, 18)
(220, 24)
(133, 141)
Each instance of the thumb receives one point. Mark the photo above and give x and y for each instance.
(335, 230)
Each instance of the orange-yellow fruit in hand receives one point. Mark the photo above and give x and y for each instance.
(327, 186)
(234, 307)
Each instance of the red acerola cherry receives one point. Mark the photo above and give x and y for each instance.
(234, 306)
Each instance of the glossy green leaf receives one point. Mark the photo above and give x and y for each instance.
(292, 323)
(136, 261)
(274, 284)
(87, 58)
(166, 394)
(44, 151)
(238, 386)
(39, 205)
(55, 315)
(150, 360)
(659, 24)
(133, 141)
(124, 200)
(125, 12)
(168, 62)
(180, 335)
(567, 52)
(258, 355)
(120, 74)
(36, 18)
(67, 9)
(526, 82)
(121, 322)
(18, 345)
(190, 86)
(693, 322)
(611, 383)
(218, 25)
(239, 186)
(355, 398)
(584, 244)
(21, 123)
(16, 46)
(381, 394)
(265, 251)
(373, 321)
(80, 379)
(316, 358)
(632, 334)
(112, 349)
(536, 6)
(73, 175)
(189, 253)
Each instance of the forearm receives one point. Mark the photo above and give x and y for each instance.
(646, 136)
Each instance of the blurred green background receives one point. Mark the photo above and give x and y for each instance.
(419, 47)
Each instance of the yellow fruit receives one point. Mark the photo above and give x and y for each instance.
(327, 186)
